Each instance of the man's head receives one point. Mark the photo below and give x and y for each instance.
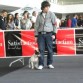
(16, 15)
(34, 13)
(4, 13)
(26, 14)
(75, 16)
(68, 17)
(45, 5)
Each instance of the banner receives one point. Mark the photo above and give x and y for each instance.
(79, 41)
(2, 45)
(19, 43)
(68, 42)
(65, 41)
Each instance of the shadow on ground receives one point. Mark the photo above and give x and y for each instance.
(5, 69)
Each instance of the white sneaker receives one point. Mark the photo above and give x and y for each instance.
(51, 66)
(40, 67)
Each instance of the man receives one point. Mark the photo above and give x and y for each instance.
(3, 20)
(34, 16)
(74, 21)
(58, 21)
(68, 21)
(33, 19)
(80, 21)
(44, 32)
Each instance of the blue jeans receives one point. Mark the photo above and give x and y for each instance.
(45, 40)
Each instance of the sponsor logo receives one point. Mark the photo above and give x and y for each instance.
(16, 45)
(80, 43)
(65, 42)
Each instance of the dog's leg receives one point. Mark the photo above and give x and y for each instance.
(32, 65)
(36, 65)
(29, 63)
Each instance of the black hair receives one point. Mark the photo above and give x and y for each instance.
(45, 4)
(74, 15)
(68, 17)
(33, 12)
(16, 15)
(25, 12)
(3, 11)
(9, 19)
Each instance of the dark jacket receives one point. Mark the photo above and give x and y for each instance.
(16, 21)
(2, 23)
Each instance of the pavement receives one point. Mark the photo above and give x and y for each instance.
(67, 70)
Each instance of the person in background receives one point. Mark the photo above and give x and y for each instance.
(3, 20)
(17, 21)
(33, 19)
(10, 22)
(58, 22)
(63, 23)
(68, 21)
(74, 21)
(45, 30)
(25, 21)
(80, 21)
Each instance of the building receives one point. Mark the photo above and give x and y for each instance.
(60, 7)
(13, 5)
(64, 7)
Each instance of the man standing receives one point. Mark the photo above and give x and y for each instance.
(74, 21)
(3, 20)
(44, 33)
(33, 19)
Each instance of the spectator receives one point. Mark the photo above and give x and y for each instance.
(17, 21)
(10, 22)
(33, 19)
(74, 21)
(68, 21)
(25, 22)
(80, 21)
(58, 22)
(63, 23)
(3, 20)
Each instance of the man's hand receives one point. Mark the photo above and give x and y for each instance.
(0, 29)
(36, 39)
(53, 37)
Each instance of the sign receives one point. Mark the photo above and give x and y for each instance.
(20, 43)
(79, 41)
(65, 42)
(28, 43)
(2, 45)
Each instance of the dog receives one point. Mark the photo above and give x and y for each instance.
(34, 60)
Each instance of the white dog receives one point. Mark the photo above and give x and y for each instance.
(33, 61)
